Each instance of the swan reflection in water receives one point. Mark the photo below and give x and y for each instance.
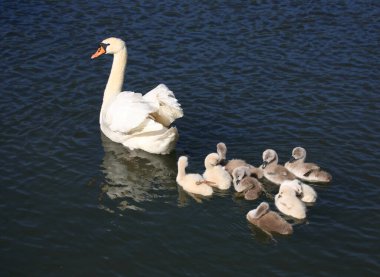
(135, 176)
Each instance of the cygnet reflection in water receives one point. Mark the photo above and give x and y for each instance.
(136, 176)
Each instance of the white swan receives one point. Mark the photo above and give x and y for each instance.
(135, 120)
(287, 202)
(193, 182)
(306, 193)
(215, 173)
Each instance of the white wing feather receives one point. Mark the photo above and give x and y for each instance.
(127, 112)
(167, 107)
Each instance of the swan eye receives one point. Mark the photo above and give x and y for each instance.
(103, 45)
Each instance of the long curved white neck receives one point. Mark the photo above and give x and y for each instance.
(181, 171)
(116, 78)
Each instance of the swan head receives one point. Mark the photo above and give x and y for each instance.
(183, 162)
(239, 173)
(261, 210)
(212, 160)
(221, 148)
(110, 45)
(291, 185)
(298, 153)
(269, 156)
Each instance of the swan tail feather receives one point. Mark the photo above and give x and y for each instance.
(168, 108)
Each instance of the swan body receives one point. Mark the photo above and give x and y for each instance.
(244, 183)
(193, 183)
(137, 121)
(215, 173)
(309, 195)
(288, 203)
(306, 193)
(310, 172)
(272, 171)
(269, 221)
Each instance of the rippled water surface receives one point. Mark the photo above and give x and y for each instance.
(254, 74)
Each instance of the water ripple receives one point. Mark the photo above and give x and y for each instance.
(255, 75)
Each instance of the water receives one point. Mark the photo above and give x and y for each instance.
(255, 75)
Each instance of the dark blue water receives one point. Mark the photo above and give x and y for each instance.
(254, 75)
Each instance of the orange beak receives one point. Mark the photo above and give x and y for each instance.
(99, 52)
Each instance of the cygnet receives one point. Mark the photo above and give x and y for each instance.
(215, 173)
(230, 165)
(305, 192)
(193, 183)
(288, 203)
(250, 187)
(310, 172)
(274, 172)
(269, 221)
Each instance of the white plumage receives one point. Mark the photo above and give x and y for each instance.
(135, 120)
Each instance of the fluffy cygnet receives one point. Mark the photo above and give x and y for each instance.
(310, 172)
(215, 173)
(269, 221)
(306, 193)
(288, 203)
(193, 183)
(244, 183)
(230, 165)
(272, 170)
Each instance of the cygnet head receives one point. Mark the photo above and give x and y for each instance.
(292, 184)
(221, 148)
(261, 210)
(110, 45)
(269, 156)
(288, 189)
(239, 173)
(211, 160)
(182, 162)
(298, 153)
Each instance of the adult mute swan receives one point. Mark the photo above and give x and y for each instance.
(137, 121)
